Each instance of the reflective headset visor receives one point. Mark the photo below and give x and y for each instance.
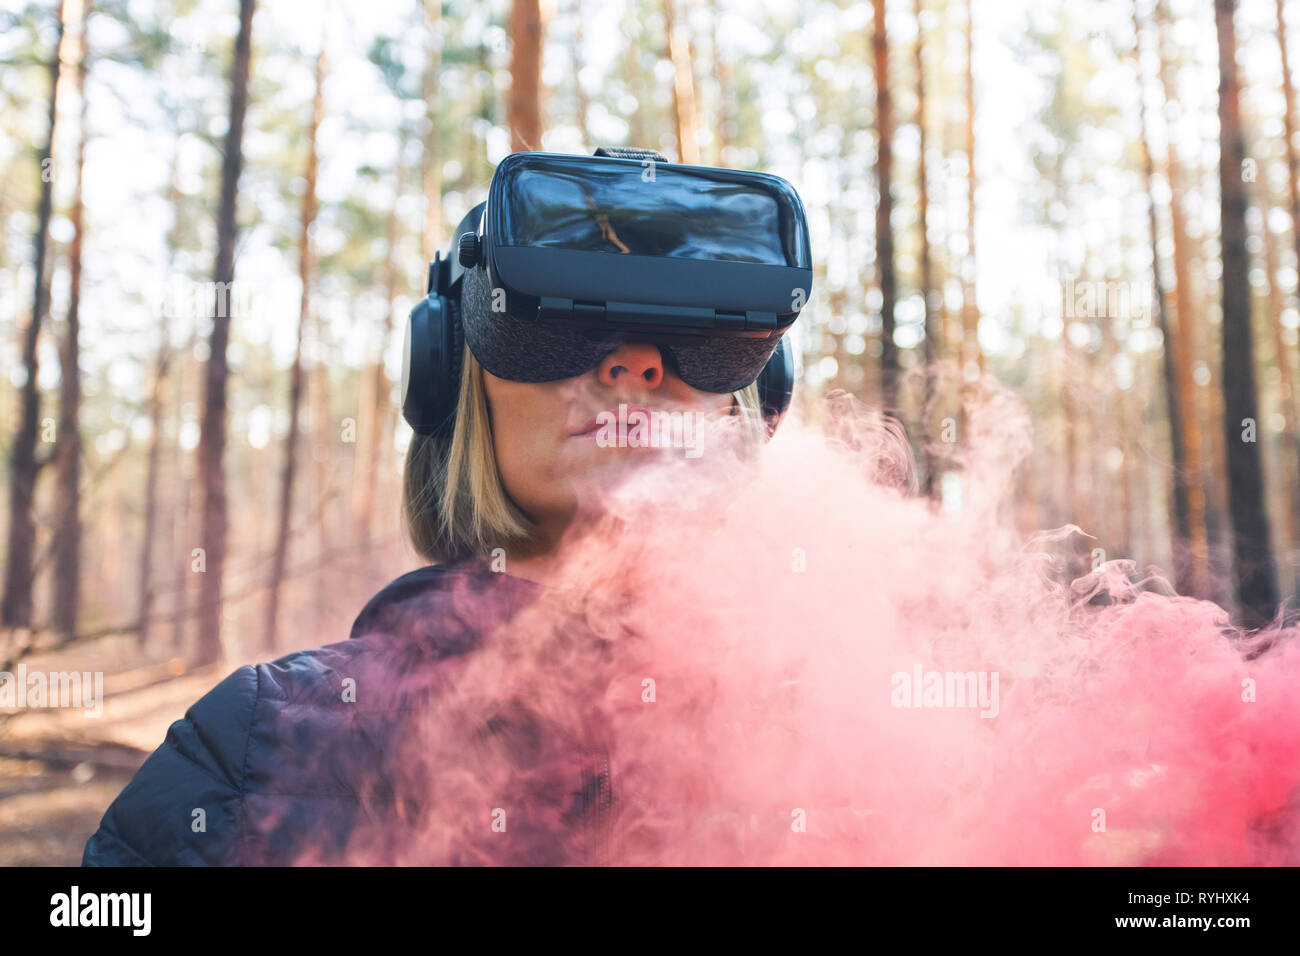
(585, 252)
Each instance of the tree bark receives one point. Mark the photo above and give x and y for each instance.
(582, 102)
(430, 156)
(1192, 571)
(930, 485)
(722, 119)
(323, 437)
(632, 29)
(16, 605)
(972, 357)
(375, 403)
(1180, 510)
(212, 443)
(188, 381)
(1288, 121)
(889, 365)
(684, 112)
(67, 533)
(157, 400)
(1284, 354)
(288, 470)
(152, 466)
(1289, 441)
(524, 103)
(1254, 578)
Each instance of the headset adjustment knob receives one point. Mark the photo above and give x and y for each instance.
(467, 253)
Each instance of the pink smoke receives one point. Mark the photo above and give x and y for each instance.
(773, 603)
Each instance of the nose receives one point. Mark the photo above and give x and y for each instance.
(633, 365)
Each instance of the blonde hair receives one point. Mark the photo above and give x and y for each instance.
(454, 503)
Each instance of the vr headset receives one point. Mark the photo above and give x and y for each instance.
(572, 255)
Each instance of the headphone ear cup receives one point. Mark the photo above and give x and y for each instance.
(415, 364)
(776, 384)
(431, 365)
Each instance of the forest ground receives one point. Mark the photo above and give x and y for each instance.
(60, 768)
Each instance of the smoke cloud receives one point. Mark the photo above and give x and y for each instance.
(795, 659)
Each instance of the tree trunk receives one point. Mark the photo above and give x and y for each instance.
(932, 344)
(16, 605)
(188, 376)
(1192, 573)
(684, 113)
(212, 443)
(582, 102)
(157, 398)
(524, 104)
(1254, 580)
(721, 119)
(1288, 119)
(157, 401)
(287, 472)
(972, 358)
(889, 365)
(430, 157)
(1283, 353)
(1143, 534)
(632, 30)
(323, 440)
(1180, 516)
(375, 402)
(1119, 534)
(67, 533)
(1289, 441)
(478, 166)
(1076, 503)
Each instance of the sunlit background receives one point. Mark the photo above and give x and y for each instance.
(1054, 296)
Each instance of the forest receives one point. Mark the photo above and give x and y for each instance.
(215, 216)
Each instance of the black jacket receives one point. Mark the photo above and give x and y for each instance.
(274, 767)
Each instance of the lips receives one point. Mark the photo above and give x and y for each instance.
(593, 424)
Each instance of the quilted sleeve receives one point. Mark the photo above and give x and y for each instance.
(184, 805)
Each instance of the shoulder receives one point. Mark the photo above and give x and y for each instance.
(289, 739)
(264, 762)
(427, 615)
(447, 605)
(182, 805)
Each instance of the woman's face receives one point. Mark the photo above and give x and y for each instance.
(548, 447)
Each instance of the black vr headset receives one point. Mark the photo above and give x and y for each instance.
(573, 255)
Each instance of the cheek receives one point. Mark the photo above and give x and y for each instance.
(527, 425)
(531, 449)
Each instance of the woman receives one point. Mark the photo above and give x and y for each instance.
(408, 743)
(292, 761)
